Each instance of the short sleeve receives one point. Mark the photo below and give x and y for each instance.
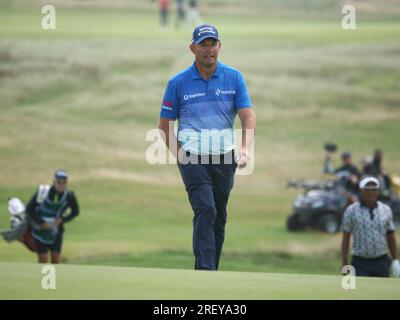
(242, 99)
(170, 102)
(347, 221)
(390, 226)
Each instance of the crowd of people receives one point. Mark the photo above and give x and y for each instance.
(371, 166)
(187, 14)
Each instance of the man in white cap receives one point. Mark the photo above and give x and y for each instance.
(371, 224)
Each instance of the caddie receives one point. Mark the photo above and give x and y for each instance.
(46, 209)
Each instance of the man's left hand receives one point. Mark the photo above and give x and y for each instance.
(242, 159)
(59, 221)
(396, 268)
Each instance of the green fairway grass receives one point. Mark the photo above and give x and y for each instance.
(24, 281)
(82, 97)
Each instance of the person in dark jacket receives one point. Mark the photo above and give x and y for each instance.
(47, 210)
(351, 174)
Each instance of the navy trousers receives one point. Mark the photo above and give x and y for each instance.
(208, 187)
(377, 267)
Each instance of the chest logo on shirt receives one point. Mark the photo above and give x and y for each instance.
(193, 95)
(222, 92)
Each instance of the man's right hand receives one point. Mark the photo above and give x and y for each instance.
(344, 263)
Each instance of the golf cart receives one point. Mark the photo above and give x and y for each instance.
(321, 205)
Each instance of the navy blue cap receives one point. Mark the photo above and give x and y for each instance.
(203, 32)
(346, 155)
(60, 174)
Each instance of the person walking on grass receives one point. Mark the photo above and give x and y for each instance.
(164, 13)
(371, 224)
(193, 15)
(46, 209)
(205, 98)
(180, 13)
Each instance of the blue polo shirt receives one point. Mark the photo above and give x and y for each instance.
(205, 110)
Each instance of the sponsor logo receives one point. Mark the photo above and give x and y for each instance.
(194, 95)
(219, 92)
(166, 105)
(206, 30)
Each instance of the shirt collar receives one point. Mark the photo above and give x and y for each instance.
(196, 75)
(363, 204)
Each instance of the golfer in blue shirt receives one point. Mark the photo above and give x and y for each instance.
(205, 99)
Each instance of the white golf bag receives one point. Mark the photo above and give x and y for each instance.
(21, 224)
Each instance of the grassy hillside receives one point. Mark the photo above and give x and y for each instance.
(82, 97)
(23, 281)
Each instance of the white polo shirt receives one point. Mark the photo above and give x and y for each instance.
(369, 228)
